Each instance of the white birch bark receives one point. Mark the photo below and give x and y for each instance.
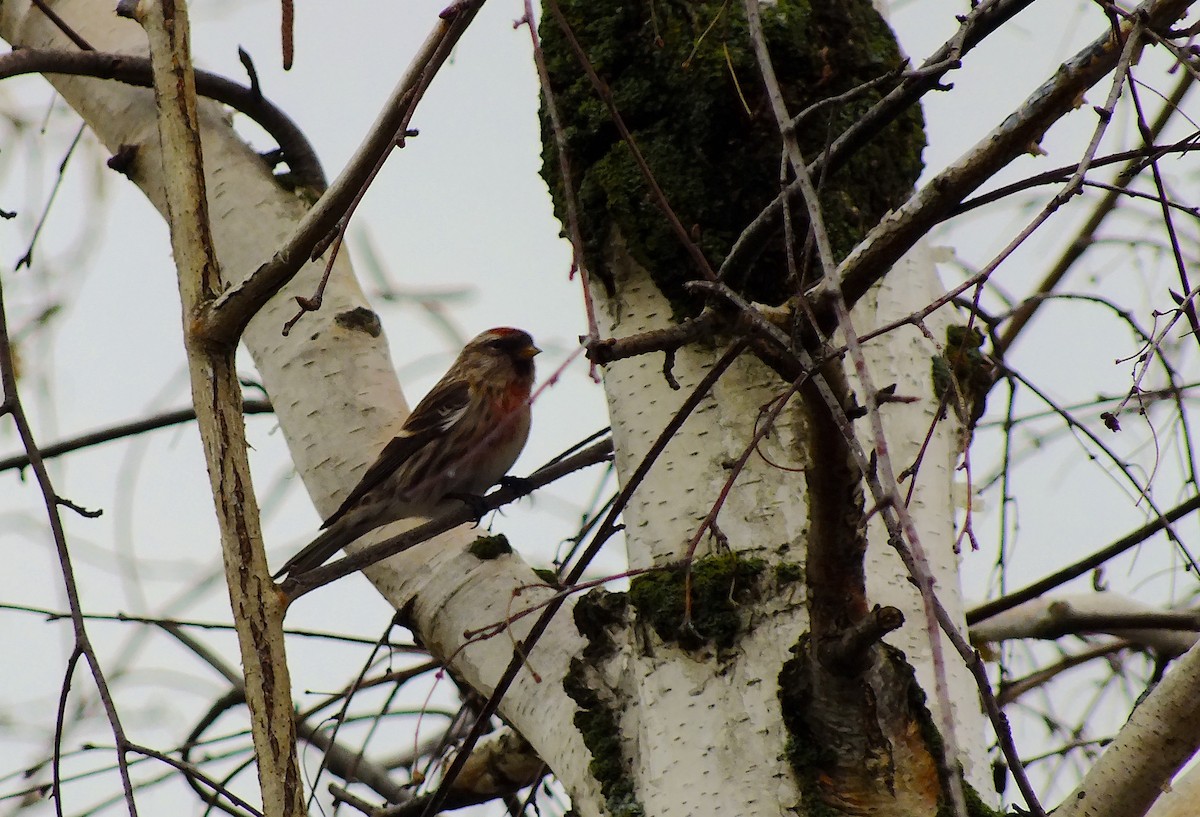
(332, 384)
(704, 741)
(905, 357)
(1161, 735)
(704, 730)
(1052, 617)
(1180, 799)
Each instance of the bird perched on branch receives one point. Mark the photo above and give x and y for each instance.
(460, 440)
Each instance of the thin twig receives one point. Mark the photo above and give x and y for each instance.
(895, 235)
(984, 19)
(26, 259)
(61, 24)
(217, 395)
(287, 24)
(578, 258)
(303, 583)
(117, 432)
(1083, 238)
(921, 572)
(12, 406)
(190, 772)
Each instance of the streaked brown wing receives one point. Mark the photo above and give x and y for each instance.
(433, 416)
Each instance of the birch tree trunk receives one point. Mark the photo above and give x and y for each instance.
(700, 716)
(708, 702)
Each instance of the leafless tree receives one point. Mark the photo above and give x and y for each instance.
(806, 424)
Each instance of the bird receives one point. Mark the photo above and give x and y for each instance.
(458, 442)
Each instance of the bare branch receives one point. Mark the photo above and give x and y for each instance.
(230, 313)
(83, 646)
(896, 234)
(983, 612)
(117, 432)
(296, 586)
(1103, 208)
(1169, 633)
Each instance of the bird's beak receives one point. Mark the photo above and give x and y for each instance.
(529, 352)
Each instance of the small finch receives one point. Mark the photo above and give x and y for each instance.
(460, 440)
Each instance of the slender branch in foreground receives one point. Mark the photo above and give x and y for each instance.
(985, 611)
(117, 432)
(225, 319)
(217, 395)
(917, 564)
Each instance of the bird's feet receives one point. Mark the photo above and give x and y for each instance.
(522, 485)
(475, 503)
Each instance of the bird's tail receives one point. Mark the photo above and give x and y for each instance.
(318, 551)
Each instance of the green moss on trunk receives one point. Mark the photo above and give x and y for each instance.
(720, 586)
(684, 77)
(596, 614)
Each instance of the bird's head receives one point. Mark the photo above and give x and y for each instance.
(504, 350)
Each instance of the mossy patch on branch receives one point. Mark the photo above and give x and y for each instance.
(685, 79)
(596, 614)
(975, 806)
(486, 548)
(720, 586)
(602, 735)
(963, 375)
(548, 576)
(789, 572)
